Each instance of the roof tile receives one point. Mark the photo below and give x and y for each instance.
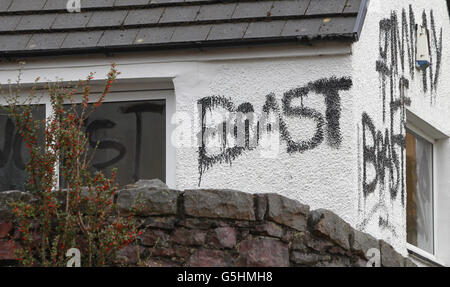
(71, 20)
(252, 9)
(146, 16)
(304, 27)
(264, 29)
(130, 2)
(26, 5)
(289, 8)
(118, 37)
(191, 33)
(46, 41)
(154, 35)
(96, 3)
(55, 5)
(216, 12)
(352, 6)
(165, 1)
(318, 7)
(179, 14)
(107, 18)
(340, 25)
(82, 39)
(4, 5)
(227, 31)
(9, 23)
(36, 22)
(14, 42)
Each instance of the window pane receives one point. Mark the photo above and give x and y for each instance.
(14, 154)
(131, 138)
(419, 184)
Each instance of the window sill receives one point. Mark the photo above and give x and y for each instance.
(426, 258)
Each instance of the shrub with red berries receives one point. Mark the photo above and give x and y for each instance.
(81, 214)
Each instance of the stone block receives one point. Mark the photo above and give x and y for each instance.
(208, 258)
(7, 197)
(270, 229)
(409, 263)
(7, 251)
(219, 204)
(5, 229)
(223, 237)
(189, 237)
(147, 198)
(167, 223)
(325, 223)
(390, 257)
(307, 259)
(287, 212)
(154, 238)
(361, 243)
(260, 206)
(264, 252)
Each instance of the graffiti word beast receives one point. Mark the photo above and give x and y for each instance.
(240, 129)
(381, 154)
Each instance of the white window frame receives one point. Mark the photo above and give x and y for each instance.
(139, 92)
(411, 248)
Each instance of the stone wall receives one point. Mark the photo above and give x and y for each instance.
(228, 228)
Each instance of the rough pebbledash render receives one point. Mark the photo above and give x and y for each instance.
(227, 228)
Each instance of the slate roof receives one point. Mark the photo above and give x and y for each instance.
(45, 27)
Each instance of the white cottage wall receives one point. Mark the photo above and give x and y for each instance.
(321, 176)
(381, 210)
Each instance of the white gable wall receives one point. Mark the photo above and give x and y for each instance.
(379, 212)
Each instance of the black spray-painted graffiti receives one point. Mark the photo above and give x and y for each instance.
(398, 52)
(104, 144)
(13, 155)
(383, 162)
(327, 126)
(380, 154)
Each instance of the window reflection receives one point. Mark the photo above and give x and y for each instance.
(14, 154)
(419, 184)
(129, 136)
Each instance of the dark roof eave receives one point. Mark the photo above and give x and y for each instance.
(360, 19)
(108, 50)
